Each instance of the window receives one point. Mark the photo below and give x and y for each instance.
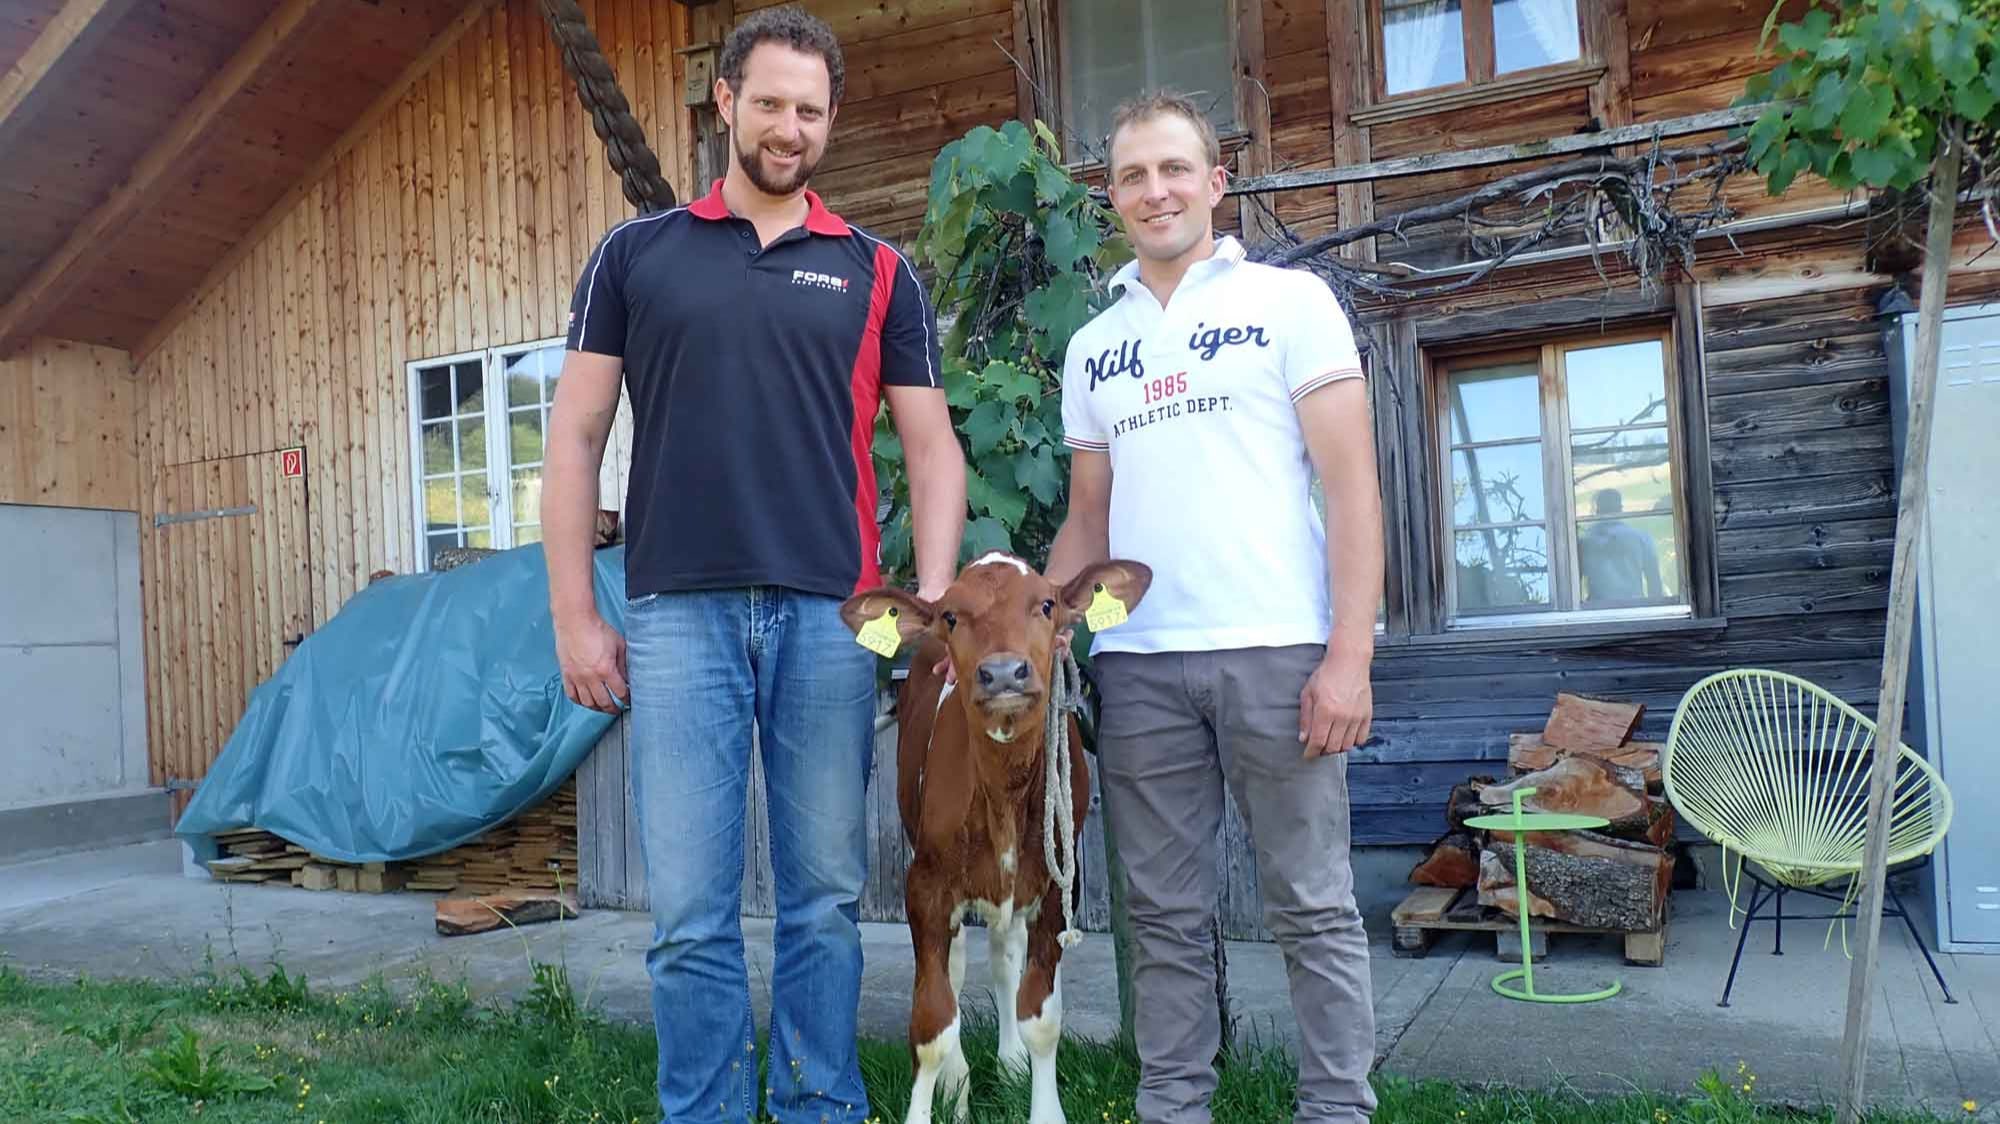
(1429, 44)
(477, 422)
(1114, 48)
(1561, 486)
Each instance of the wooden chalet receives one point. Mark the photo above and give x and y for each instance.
(294, 264)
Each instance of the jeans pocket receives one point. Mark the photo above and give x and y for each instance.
(641, 601)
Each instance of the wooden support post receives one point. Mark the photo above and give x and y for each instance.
(1896, 643)
(708, 134)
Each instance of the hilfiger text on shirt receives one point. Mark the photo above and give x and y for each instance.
(1178, 408)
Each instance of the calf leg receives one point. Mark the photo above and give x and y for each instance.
(933, 1003)
(1038, 1008)
(955, 1077)
(1006, 952)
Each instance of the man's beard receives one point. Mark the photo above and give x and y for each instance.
(751, 161)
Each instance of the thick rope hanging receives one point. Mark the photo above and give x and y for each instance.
(1058, 815)
(610, 114)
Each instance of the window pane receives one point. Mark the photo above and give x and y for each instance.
(1497, 484)
(1496, 403)
(473, 506)
(434, 388)
(524, 428)
(1530, 33)
(1114, 47)
(1623, 472)
(1624, 384)
(440, 504)
(531, 376)
(441, 542)
(525, 533)
(437, 449)
(1502, 569)
(527, 495)
(482, 538)
(1633, 561)
(1423, 44)
(472, 443)
(469, 388)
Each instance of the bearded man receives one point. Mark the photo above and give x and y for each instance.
(756, 333)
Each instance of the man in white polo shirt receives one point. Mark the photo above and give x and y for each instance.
(1198, 409)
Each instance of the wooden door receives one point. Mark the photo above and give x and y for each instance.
(230, 594)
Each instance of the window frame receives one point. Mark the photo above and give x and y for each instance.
(1243, 108)
(499, 446)
(1402, 351)
(1481, 54)
(1560, 521)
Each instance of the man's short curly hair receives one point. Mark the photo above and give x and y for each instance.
(791, 27)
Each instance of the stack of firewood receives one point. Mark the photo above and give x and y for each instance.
(534, 851)
(1584, 761)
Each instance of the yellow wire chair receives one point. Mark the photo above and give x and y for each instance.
(1775, 769)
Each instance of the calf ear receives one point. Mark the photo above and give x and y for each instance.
(1123, 580)
(913, 615)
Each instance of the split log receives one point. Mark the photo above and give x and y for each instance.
(1579, 878)
(1583, 723)
(1454, 862)
(1585, 786)
(1464, 802)
(1528, 753)
(460, 916)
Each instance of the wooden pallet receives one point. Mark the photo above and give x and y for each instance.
(1431, 910)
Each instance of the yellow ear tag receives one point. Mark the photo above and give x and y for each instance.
(880, 635)
(1105, 610)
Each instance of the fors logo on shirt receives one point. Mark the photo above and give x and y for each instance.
(825, 281)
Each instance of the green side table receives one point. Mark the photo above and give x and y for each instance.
(1519, 822)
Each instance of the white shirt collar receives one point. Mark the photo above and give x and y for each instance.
(1228, 251)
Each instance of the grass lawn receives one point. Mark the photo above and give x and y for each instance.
(234, 1047)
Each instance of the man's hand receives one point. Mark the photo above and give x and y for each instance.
(592, 655)
(943, 666)
(1336, 706)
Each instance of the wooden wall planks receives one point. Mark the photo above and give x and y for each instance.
(69, 414)
(459, 222)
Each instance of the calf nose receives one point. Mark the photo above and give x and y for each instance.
(1003, 673)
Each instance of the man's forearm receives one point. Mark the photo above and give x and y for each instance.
(937, 511)
(569, 510)
(1354, 574)
(1080, 542)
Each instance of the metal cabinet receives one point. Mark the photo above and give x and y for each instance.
(1953, 714)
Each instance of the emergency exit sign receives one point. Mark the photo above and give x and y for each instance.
(292, 462)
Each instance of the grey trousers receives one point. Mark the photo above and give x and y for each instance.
(1174, 730)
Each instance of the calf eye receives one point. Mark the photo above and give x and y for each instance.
(1049, 608)
(950, 619)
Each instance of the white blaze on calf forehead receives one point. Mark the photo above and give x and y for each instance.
(1001, 557)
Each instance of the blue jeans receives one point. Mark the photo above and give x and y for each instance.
(703, 666)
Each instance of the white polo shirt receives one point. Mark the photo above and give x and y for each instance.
(1211, 479)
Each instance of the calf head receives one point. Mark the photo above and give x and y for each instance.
(999, 622)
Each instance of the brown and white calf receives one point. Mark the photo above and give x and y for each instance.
(972, 776)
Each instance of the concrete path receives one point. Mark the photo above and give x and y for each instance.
(130, 911)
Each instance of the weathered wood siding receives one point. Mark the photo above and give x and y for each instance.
(68, 412)
(1802, 464)
(458, 220)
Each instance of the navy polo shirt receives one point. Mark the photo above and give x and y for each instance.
(754, 374)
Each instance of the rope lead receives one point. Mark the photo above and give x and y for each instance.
(1058, 813)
